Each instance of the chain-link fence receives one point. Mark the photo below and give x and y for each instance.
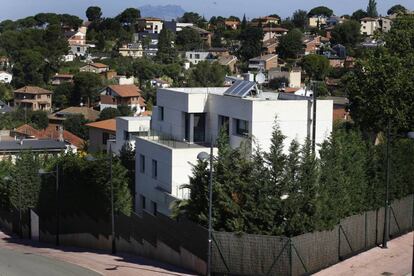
(304, 254)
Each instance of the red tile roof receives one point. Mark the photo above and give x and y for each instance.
(99, 65)
(33, 90)
(108, 125)
(126, 90)
(51, 132)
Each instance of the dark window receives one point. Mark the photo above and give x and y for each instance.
(242, 127)
(142, 163)
(223, 123)
(143, 203)
(161, 113)
(105, 137)
(199, 127)
(154, 208)
(126, 135)
(197, 56)
(154, 169)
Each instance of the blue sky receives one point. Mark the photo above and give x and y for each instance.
(20, 8)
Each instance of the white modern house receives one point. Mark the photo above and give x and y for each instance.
(5, 77)
(194, 57)
(127, 129)
(185, 120)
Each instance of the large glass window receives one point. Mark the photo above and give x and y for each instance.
(199, 127)
(223, 123)
(242, 127)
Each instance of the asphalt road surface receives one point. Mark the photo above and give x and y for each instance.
(16, 263)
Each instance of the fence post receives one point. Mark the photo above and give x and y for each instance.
(366, 229)
(290, 257)
(339, 241)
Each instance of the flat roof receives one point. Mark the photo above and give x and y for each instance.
(31, 144)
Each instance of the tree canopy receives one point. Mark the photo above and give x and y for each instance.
(290, 45)
(189, 39)
(321, 11)
(359, 14)
(316, 66)
(397, 9)
(207, 74)
(93, 13)
(347, 33)
(372, 8)
(251, 42)
(300, 19)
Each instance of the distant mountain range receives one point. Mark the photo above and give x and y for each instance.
(166, 12)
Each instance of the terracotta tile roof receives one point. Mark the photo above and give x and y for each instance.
(108, 125)
(126, 90)
(275, 29)
(90, 114)
(33, 90)
(98, 65)
(291, 89)
(146, 113)
(264, 57)
(51, 132)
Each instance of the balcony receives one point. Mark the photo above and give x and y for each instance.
(171, 142)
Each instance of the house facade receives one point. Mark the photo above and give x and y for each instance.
(129, 95)
(150, 25)
(294, 76)
(100, 134)
(127, 129)
(133, 50)
(264, 63)
(5, 77)
(370, 25)
(97, 68)
(33, 98)
(186, 120)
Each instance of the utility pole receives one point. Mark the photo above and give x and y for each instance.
(387, 184)
(313, 87)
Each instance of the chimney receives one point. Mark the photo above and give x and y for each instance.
(60, 134)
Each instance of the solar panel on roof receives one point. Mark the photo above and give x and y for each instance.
(240, 88)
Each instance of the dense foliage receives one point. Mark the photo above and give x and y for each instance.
(81, 182)
(291, 193)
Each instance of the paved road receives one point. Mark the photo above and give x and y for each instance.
(396, 261)
(16, 263)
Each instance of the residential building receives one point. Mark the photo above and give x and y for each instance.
(121, 80)
(9, 150)
(160, 83)
(127, 129)
(196, 56)
(231, 24)
(5, 77)
(149, 42)
(265, 21)
(76, 37)
(4, 108)
(150, 25)
(52, 132)
(294, 75)
(269, 46)
(96, 67)
(264, 63)
(133, 50)
(312, 44)
(58, 79)
(370, 25)
(186, 120)
(33, 98)
(129, 94)
(99, 134)
(60, 116)
(317, 21)
(229, 61)
(77, 51)
(204, 34)
(273, 32)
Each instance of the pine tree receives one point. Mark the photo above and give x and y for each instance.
(167, 52)
(372, 8)
(243, 24)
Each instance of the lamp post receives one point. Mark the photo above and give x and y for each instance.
(91, 158)
(55, 174)
(204, 156)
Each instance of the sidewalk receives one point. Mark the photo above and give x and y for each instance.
(100, 262)
(396, 260)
